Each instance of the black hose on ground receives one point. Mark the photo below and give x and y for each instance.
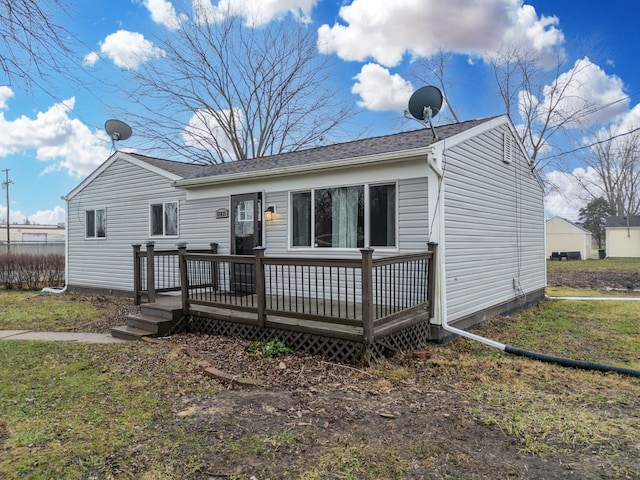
(567, 362)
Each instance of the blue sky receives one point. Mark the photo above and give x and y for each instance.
(51, 138)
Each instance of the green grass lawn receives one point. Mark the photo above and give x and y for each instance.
(84, 411)
(31, 310)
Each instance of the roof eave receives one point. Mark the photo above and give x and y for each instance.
(388, 157)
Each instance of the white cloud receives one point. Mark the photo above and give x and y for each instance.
(380, 90)
(129, 50)
(55, 136)
(566, 196)
(48, 217)
(385, 30)
(5, 94)
(41, 217)
(204, 127)
(90, 59)
(588, 91)
(255, 12)
(162, 12)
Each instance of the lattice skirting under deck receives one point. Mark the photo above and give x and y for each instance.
(337, 350)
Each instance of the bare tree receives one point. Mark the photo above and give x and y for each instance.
(434, 70)
(226, 91)
(543, 98)
(32, 45)
(615, 164)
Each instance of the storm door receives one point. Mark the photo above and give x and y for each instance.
(246, 234)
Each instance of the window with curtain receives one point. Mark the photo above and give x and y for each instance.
(163, 219)
(335, 217)
(96, 223)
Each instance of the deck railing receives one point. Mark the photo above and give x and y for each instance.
(157, 271)
(362, 298)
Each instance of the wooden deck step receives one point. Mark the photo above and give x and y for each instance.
(160, 310)
(130, 333)
(158, 326)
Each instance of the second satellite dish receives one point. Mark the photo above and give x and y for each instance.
(117, 129)
(425, 103)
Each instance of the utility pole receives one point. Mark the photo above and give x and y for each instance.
(5, 185)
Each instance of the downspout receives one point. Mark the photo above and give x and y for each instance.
(66, 253)
(441, 295)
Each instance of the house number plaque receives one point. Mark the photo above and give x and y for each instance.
(222, 213)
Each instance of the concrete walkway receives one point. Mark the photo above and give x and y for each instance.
(59, 336)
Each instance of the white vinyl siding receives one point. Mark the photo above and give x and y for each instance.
(124, 190)
(494, 226)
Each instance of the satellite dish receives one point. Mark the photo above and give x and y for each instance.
(425, 103)
(117, 130)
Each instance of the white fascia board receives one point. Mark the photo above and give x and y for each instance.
(389, 157)
(107, 163)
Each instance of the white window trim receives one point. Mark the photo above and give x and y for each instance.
(164, 227)
(95, 237)
(367, 220)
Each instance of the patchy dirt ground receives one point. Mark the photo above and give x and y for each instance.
(406, 409)
(603, 280)
(411, 415)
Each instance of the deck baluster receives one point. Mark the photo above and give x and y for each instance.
(367, 295)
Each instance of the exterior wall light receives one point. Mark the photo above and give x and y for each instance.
(269, 213)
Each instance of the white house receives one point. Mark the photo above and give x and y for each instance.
(564, 236)
(471, 190)
(623, 236)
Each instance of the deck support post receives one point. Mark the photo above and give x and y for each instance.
(367, 297)
(151, 273)
(260, 286)
(214, 267)
(431, 280)
(184, 277)
(136, 274)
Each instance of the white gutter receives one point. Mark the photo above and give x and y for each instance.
(66, 253)
(441, 282)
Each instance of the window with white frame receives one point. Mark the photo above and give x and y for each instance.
(344, 217)
(163, 219)
(96, 223)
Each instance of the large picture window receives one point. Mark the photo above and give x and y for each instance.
(344, 217)
(164, 219)
(96, 223)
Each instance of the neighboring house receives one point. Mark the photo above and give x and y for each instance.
(564, 236)
(33, 239)
(23, 233)
(623, 236)
(472, 191)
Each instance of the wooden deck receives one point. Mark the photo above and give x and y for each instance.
(352, 310)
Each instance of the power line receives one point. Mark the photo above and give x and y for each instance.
(593, 144)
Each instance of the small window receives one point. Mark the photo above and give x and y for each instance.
(163, 219)
(96, 223)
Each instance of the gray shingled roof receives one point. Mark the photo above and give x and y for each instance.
(621, 221)
(339, 151)
(182, 169)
